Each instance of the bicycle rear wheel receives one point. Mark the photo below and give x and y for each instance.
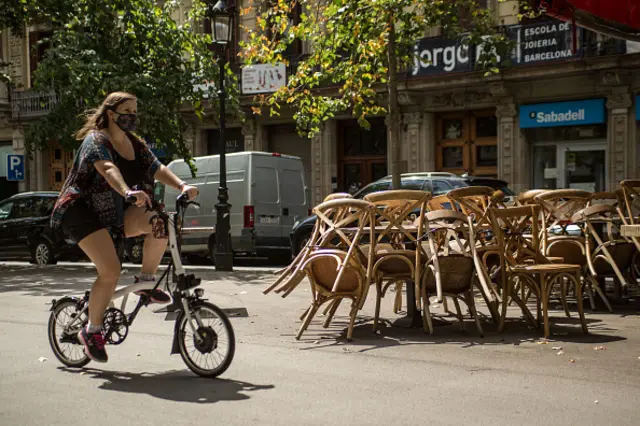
(62, 338)
(211, 355)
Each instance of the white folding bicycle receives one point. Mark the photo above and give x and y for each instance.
(203, 334)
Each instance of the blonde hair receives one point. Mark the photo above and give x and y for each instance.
(97, 118)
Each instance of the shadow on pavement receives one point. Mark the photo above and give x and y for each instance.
(516, 332)
(57, 280)
(179, 386)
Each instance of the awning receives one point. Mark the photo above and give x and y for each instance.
(616, 18)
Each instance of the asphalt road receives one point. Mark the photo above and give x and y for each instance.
(400, 377)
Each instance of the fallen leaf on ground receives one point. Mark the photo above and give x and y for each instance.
(599, 348)
(243, 292)
(595, 402)
(560, 353)
(542, 342)
(572, 361)
(137, 354)
(557, 348)
(315, 342)
(42, 359)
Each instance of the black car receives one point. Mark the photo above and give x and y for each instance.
(25, 230)
(436, 183)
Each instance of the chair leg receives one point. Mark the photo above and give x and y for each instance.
(352, 320)
(545, 304)
(307, 320)
(426, 313)
(506, 293)
(601, 294)
(589, 289)
(563, 288)
(472, 307)
(397, 306)
(305, 313)
(458, 313)
(580, 304)
(376, 316)
(334, 307)
(445, 306)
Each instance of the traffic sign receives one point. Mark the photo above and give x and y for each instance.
(15, 167)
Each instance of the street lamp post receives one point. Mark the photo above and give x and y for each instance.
(221, 28)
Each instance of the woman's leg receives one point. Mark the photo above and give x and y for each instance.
(101, 251)
(98, 246)
(136, 222)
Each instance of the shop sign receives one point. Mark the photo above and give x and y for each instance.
(590, 111)
(263, 78)
(543, 42)
(234, 141)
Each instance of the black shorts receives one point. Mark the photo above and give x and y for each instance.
(79, 221)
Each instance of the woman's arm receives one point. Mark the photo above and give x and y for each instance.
(112, 175)
(166, 176)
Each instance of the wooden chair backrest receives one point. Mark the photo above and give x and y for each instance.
(516, 229)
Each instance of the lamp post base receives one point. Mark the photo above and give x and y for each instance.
(224, 262)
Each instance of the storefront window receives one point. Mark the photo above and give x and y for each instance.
(545, 167)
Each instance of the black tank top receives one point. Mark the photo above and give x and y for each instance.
(131, 170)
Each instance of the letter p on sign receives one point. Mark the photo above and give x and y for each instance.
(15, 167)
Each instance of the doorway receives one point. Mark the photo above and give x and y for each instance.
(573, 165)
(467, 142)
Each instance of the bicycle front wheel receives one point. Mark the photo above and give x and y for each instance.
(208, 344)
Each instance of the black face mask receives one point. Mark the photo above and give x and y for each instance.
(126, 122)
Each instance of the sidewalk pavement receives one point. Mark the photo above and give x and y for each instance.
(401, 376)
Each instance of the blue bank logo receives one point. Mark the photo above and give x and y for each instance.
(591, 111)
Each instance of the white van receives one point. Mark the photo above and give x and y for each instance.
(267, 193)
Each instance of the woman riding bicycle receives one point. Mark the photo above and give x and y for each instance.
(91, 208)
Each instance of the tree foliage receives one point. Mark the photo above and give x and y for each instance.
(99, 47)
(349, 54)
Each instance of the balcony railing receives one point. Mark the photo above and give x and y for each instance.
(31, 104)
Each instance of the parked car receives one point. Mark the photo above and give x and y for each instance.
(438, 183)
(267, 193)
(25, 231)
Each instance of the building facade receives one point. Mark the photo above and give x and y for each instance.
(562, 113)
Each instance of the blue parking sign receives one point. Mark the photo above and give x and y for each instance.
(15, 167)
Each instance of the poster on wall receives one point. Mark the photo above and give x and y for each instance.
(263, 78)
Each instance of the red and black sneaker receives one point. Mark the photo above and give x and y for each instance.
(155, 296)
(93, 345)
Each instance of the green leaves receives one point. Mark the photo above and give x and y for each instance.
(129, 45)
(348, 63)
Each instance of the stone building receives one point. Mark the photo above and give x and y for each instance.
(562, 114)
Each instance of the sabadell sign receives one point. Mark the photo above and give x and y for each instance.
(590, 111)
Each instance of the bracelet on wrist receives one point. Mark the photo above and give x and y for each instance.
(181, 185)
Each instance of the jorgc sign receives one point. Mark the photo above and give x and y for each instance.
(590, 111)
(534, 43)
(440, 56)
